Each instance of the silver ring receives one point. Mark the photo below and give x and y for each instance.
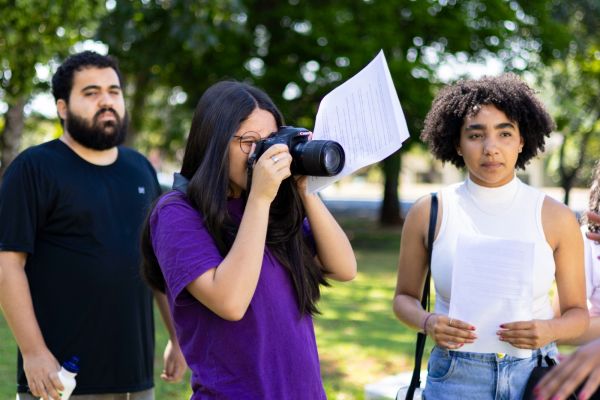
(450, 322)
(275, 159)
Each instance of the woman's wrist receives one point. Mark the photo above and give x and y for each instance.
(307, 197)
(425, 321)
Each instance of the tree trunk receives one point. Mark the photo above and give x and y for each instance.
(138, 103)
(390, 208)
(10, 141)
(567, 176)
(567, 186)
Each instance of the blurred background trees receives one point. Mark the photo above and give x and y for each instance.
(299, 50)
(32, 33)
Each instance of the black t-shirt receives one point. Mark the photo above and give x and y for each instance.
(80, 224)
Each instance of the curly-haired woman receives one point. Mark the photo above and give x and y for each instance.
(491, 127)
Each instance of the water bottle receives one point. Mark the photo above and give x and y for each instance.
(67, 377)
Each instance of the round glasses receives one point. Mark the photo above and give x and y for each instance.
(247, 139)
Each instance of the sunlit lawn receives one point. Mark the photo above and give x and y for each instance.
(359, 339)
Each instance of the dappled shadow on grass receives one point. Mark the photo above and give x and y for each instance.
(360, 340)
(360, 314)
(367, 234)
(164, 390)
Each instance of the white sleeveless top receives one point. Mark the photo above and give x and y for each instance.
(592, 273)
(512, 211)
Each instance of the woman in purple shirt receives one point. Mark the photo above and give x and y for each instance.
(242, 266)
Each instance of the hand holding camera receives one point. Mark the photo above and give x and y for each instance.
(272, 167)
(309, 157)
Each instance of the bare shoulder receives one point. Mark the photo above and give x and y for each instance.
(420, 209)
(557, 220)
(553, 211)
(418, 215)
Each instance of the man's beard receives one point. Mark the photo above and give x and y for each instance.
(99, 135)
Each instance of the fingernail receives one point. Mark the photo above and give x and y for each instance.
(502, 326)
(582, 395)
(473, 328)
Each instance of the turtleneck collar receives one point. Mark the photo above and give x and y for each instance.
(493, 200)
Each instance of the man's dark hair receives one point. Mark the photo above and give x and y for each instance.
(508, 93)
(62, 81)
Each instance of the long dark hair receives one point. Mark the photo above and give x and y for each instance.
(219, 114)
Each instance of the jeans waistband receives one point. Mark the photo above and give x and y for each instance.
(497, 357)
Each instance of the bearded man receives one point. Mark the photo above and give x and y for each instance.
(71, 211)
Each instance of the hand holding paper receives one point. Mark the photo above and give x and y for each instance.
(450, 333)
(363, 115)
(526, 334)
(492, 283)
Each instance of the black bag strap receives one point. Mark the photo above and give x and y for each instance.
(549, 361)
(415, 381)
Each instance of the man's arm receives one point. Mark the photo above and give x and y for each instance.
(174, 362)
(41, 367)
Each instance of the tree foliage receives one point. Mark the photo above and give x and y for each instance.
(298, 50)
(572, 82)
(31, 34)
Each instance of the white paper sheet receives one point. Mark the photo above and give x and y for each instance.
(363, 115)
(492, 283)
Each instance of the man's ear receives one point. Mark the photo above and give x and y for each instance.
(61, 108)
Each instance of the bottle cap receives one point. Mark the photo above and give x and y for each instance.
(71, 365)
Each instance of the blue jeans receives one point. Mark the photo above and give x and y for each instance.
(479, 376)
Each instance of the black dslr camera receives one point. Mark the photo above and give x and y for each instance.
(309, 157)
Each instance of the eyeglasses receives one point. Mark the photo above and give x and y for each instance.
(247, 140)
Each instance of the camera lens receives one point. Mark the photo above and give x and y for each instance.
(331, 160)
(319, 158)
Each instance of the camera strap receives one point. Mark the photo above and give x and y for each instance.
(180, 183)
(249, 169)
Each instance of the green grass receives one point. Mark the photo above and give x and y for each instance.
(359, 339)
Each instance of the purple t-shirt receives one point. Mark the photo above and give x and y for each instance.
(271, 353)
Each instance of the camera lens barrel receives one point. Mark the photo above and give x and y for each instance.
(318, 158)
(309, 157)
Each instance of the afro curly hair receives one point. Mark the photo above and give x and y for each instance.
(463, 99)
